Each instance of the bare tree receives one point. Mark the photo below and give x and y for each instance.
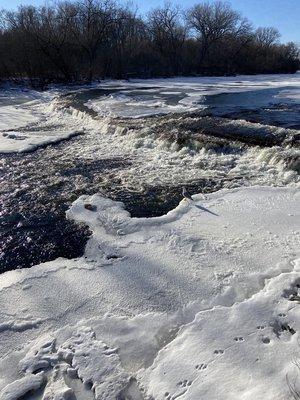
(46, 29)
(212, 22)
(267, 36)
(167, 34)
(86, 39)
(91, 22)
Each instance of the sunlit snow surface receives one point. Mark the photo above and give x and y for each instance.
(201, 303)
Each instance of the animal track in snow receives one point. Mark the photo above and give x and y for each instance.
(201, 367)
(185, 383)
(219, 351)
(260, 327)
(293, 292)
(239, 339)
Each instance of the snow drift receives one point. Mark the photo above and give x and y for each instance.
(177, 306)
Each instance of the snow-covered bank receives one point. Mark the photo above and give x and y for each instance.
(199, 303)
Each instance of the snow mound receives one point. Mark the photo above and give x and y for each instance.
(226, 353)
(20, 387)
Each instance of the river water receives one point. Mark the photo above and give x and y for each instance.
(153, 143)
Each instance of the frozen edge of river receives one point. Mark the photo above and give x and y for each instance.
(222, 290)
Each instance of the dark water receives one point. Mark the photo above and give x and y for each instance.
(37, 188)
(260, 106)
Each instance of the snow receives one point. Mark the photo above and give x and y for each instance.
(19, 388)
(122, 105)
(19, 142)
(31, 119)
(189, 304)
(12, 117)
(56, 388)
(28, 123)
(241, 352)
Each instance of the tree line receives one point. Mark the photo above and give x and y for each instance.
(73, 41)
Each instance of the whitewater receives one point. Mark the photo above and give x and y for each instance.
(157, 296)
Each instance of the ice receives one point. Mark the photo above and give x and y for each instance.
(43, 118)
(12, 117)
(293, 94)
(29, 123)
(22, 142)
(189, 304)
(120, 105)
(163, 96)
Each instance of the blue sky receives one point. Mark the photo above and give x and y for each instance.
(283, 14)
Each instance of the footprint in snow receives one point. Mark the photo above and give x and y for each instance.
(201, 367)
(282, 315)
(185, 383)
(239, 339)
(219, 351)
(260, 327)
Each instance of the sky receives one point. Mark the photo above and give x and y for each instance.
(282, 14)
